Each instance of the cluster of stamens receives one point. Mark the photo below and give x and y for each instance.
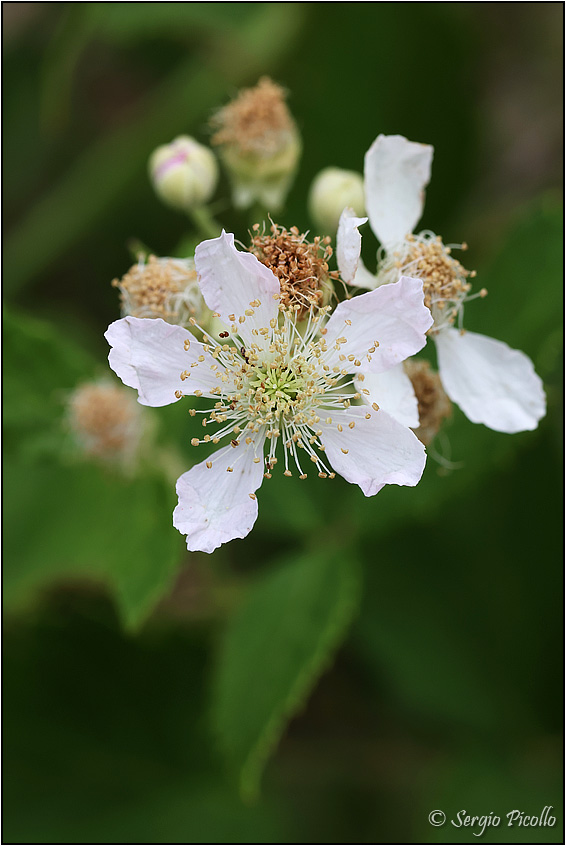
(445, 280)
(278, 389)
(161, 287)
(301, 266)
(433, 404)
(257, 121)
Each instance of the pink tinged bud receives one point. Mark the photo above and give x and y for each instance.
(184, 173)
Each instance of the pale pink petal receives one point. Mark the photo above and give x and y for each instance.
(393, 392)
(394, 316)
(395, 175)
(377, 451)
(348, 243)
(215, 505)
(231, 281)
(149, 355)
(492, 383)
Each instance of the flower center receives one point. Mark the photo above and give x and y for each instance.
(279, 386)
(278, 392)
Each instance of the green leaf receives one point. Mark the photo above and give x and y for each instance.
(73, 520)
(108, 739)
(275, 649)
(107, 169)
(40, 367)
(69, 522)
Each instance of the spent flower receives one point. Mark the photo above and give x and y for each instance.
(259, 144)
(163, 287)
(106, 422)
(300, 265)
(274, 388)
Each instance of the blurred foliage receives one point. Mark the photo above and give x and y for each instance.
(446, 692)
(274, 651)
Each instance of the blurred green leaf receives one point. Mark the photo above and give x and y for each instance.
(448, 620)
(69, 522)
(125, 22)
(108, 739)
(40, 367)
(66, 520)
(113, 162)
(481, 782)
(275, 648)
(524, 279)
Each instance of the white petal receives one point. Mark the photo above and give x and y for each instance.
(492, 383)
(231, 280)
(393, 315)
(396, 173)
(394, 394)
(378, 451)
(363, 278)
(215, 505)
(348, 243)
(149, 355)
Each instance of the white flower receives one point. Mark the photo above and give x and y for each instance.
(492, 383)
(275, 385)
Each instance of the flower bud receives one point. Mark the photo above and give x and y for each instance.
(259, 145)
(184, 173)
(331, 191)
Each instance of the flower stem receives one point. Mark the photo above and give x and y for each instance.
(204, 222)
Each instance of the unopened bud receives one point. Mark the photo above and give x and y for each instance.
(331, 191)
(184, 173)
(259, 145)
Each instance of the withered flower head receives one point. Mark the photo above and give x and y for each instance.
(259, 144)
(434, 406)
(301, 266)
(106, 421)
(162, 287)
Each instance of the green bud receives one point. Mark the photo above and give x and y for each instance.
(184, 173)
(331, 191)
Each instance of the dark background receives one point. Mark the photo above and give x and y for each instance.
(447, 692)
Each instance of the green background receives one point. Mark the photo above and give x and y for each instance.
(354, 663)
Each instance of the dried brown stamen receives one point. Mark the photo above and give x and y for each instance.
(433, 404)
(300, 265)
(257, 121)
